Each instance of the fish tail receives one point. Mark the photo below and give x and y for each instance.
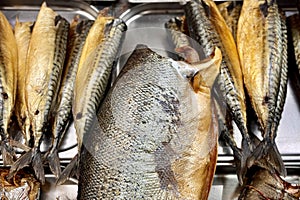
(54, 163)
(31, 157)
(71, 169)
(266, 155)
(8, 154)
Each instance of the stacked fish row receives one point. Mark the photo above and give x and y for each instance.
(253, 41)
(52, 71)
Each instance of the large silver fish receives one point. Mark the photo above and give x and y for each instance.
(263, 55)
(99, 53)
(44, 66)
(62, 113)
(8, 83)
(156, 132)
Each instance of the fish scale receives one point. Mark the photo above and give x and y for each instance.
(144, 126)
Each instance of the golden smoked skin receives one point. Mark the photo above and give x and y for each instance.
(263, 56)
(95, 37)
(8, 74)
(252, 54)
(156, 133)
(232, 53)
(23, 34)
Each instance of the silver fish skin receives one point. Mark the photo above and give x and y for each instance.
(91, 84)
(8, 84)
(145, 143)
(45, 59)
(264, 60)
(203, 21)
(62, 113)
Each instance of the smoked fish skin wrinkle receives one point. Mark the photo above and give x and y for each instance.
(207, 26)
(263, 55)
(8, 83)
(44, 66)
(155, 136)
(22, 33)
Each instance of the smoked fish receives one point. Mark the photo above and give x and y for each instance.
(98, 55)
(230, 11)
(62, 113)
(8, 84)
(207, 26)
(156, 133)
(262, 184)
(263, 55)
(45, 59)
(22, 33)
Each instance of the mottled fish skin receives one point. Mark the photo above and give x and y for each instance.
(230, 11)
(44, 66)
(262, 184)
(263, 55)
(156, 133)
(207, 26)
(8, 82)
(62, 113)
(92, 79)
(22, 33)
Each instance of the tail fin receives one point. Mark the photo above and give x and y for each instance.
(8, 154)
(71, 170)
(32, 157)
(54, 163)
(266, 155)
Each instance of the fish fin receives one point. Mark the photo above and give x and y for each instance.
(8, 154)
(20, 163)
(266, 155)
(38, 167)
(54, 163)
(69, 171)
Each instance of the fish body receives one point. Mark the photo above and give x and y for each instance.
(94, 71)
(62, 113)
(263, 55)
(156, 134)
(231, 12)
(8, 82)
(22, 33)
(95, 66)
(44, 66)
(262, 184)
(207, 26)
